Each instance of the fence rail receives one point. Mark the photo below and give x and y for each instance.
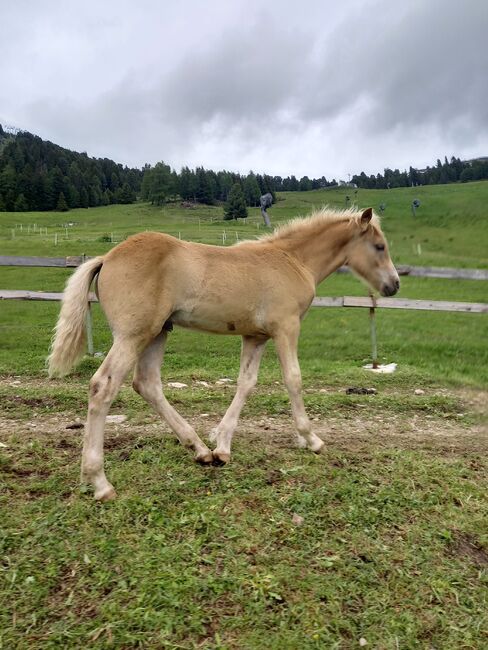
(403, 269)
(340, 301)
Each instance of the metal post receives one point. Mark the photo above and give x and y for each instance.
(372, 322)
(89, 323)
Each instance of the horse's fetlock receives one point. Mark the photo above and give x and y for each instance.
(91, 467)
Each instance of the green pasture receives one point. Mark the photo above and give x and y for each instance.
(450, 229)
(382, 539)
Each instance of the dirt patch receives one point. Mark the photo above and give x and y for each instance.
(465, 545)
(360, 432)
(10, 401)
(358, 429)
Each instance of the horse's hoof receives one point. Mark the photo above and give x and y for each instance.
(220, 458)
(109, 494)
(319, 448)
(205, 458)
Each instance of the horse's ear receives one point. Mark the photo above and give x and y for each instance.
(366, 218)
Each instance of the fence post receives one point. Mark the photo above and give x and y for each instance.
(89, 323)
(372, 322)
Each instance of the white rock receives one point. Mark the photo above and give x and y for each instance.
(116, 419)
(362, 642)
(205, 415)
(203, 383)
(177, 384)
(224, 380)
(386, 369)
(2, 444)
(419, 391)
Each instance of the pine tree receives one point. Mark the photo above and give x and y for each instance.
(252, 190)
(2, 203)
(235, 208)
(83, 198)
(125, 194)
(61, 205)
(21, 204)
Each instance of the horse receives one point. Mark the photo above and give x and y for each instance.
(258, 289)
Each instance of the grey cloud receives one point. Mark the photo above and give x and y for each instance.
(427, 63)
(281, 87)
(249, 72)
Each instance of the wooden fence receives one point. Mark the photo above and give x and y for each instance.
(342, 301)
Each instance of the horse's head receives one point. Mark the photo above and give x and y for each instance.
(368, 256)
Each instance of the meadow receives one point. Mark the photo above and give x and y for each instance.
(382, 538)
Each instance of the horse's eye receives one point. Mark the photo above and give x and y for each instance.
(380, 247)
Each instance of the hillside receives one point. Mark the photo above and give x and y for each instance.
(36, 174)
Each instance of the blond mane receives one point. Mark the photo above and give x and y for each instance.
(316, 220)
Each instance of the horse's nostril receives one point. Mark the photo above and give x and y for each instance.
(397, 284)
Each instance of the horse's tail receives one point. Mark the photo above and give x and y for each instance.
(68, 342)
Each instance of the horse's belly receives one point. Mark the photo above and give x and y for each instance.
(215, 324)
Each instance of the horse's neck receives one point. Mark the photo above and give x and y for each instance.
(320, 249)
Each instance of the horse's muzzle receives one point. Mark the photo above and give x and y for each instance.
(390, 289)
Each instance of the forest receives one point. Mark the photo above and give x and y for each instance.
(36, 174)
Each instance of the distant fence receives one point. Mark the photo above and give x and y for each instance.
(341, 301)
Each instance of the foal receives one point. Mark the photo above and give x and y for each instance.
(256, 289)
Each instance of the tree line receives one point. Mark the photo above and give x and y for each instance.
(453, 171)
(161, 183)
(38, 175)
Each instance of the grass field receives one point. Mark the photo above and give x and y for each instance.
(382, 538)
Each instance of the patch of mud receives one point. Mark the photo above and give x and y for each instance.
(467, 546)
(362, 429)
(361, 432)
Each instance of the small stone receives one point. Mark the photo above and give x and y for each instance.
(177, 384)
(99, 355)
(205, 415)
(362, 642)
(3, 445)
(297, 520)
(203, 383)
(419, 391)
(116, 419)
(224, 380)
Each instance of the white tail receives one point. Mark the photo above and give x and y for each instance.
(69, 338)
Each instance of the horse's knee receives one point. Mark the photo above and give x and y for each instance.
(246, 386)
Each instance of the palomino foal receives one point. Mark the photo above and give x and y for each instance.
(256, 289)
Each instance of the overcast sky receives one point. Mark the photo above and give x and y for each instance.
(315, 87)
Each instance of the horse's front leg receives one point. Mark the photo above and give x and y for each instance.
(251, 354)
(286, 342)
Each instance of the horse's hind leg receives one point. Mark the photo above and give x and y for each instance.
(104, 386)
(147, 382)
(286, 342)
(251, 354)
